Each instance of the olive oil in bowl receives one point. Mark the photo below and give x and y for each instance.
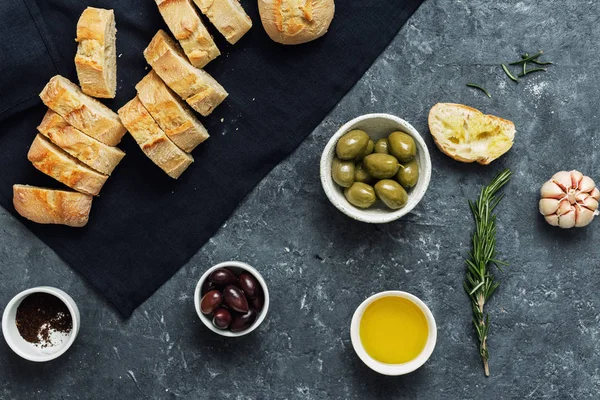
(393, 330)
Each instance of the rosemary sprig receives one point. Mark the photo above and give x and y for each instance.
(527, 59)
(531, 70)
(476, 86)
(508, 73)
(479, 283)
(541, 62)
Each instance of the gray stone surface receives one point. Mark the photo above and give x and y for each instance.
(321, 265)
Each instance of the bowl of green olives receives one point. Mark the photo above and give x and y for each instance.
(376, 168)
(231, 299)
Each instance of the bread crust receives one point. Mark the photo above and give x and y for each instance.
(96, 59)
(185, 24)
(48, 206)
(54, 162)
(171, 114)
(83, 112)
(93, 153)
(228, 16)
(152, 140)
(296, 21)
(442, 110)
(200, 90)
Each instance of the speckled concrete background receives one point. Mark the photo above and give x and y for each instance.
(321, 265)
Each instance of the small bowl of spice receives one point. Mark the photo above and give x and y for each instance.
(41, 323)
(232, 299)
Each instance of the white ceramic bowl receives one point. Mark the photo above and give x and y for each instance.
(28, 350)
(377, 126)
(393, 369)
(237, 267)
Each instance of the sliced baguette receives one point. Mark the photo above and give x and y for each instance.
(468, 135)
(200, 90)
(83, 112)
(48, 206)
(99, 156)
(54, 162)
(153, 141)
(171, 114)
(96, 59)
(187, 27)
(228, 16)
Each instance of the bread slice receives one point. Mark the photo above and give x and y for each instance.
(99, 156)
(467, 135)
(187, 27)
(48, 206)
(54, 162)
(83, 112)
(200, 90)
(152, 140)
(96, 59)
(228, 16)
(171, 114)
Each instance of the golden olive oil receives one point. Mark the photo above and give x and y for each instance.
(393, 330)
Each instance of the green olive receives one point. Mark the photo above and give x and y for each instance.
(402, 146)
(408, 174)
(360, 195)
(381, 146)
(352, 145)
(361, 174)
(381, 166)
(368, 150)
(342, 172)
(391, 193)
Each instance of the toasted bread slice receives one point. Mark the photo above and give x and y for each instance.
(96, 59)
(200, 90)
(171, 114)
(187, 27)
(54, 162)
(152, 140)
(99, 156)
(49, 206)
(83, 112)
(467, 135)
(228, 16)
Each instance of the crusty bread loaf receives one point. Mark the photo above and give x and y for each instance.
(296, 21)
(467, 135)
(200, 90)
(96, 59)
(187, 27)
(171, 114)
(99, 156)
(83, 112)
(54, 162)
(228, 16)
(49, 206)
(152, 140)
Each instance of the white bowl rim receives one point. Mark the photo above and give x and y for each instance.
(65, 298)
(393, 369)
(414, 197)
(208, 322)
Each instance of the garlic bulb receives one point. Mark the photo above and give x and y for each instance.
(569, 199)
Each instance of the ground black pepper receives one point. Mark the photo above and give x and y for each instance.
(39, 314)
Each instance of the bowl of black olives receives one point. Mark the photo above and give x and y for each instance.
(232, 299)
(376, 168)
